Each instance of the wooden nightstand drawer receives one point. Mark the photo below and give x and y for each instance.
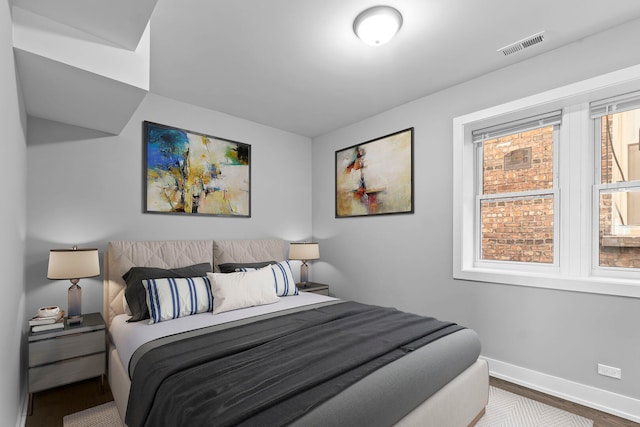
(65, 372)
(66, 347)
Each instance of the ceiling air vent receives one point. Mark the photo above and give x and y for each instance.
(522, 44)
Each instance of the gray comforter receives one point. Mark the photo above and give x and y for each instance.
(272, 371)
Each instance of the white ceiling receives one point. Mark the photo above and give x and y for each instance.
(120, 22)
(296, 64)
(83, 62)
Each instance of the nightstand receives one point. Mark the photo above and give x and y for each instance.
(62, 356)
(316, 288)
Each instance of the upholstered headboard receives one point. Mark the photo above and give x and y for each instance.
(124, 254)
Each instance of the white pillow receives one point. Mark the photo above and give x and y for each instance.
(232, 291)
(284, 283)
(177, 297)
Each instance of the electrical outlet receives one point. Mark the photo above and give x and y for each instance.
(609, 371)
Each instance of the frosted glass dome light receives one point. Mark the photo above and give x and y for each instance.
(377, 25)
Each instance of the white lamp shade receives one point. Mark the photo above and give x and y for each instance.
(304, 251)
(73, 263)
(377, 25)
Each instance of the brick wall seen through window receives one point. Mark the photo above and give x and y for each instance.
(518, 228)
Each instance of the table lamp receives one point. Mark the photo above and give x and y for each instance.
(73, 264)
(304, 251)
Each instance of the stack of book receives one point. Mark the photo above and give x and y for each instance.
(39, 324)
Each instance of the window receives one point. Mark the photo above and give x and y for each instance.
(517, 190)
(547, 189)
(617, 189)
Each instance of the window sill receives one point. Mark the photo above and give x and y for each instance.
(591, 284)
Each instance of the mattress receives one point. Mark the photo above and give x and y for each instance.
(128, 337)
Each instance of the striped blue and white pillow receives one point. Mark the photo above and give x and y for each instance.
(177, 297)
(285, 285)
(282, 276)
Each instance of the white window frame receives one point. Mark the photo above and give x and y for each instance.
(575, 270)
(553, 192)
(598, 110)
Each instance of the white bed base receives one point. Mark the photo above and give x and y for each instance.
(459, 403)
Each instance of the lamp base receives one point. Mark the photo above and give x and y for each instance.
(303, 285)
(74, 320)
(74, 307)
(304, 272)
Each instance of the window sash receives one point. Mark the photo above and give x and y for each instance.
(596, 268)
(532, 195)
(504, 197)
(598, 109)
(597, 147)
(543, 120)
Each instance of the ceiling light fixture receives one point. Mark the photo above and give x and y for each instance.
(377, 25)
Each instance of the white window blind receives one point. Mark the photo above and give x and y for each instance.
(617, 104)
(522, 125)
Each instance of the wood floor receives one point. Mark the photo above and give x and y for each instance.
(600, 419)
(49, 407)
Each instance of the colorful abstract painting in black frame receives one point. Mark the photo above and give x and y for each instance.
(192, 173)
(376, 177)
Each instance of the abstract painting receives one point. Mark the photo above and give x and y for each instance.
(376, 177)
(193, 173)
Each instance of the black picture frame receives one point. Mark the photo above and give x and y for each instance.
(376, 177)
(192, 173)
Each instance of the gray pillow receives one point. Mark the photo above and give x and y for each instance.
(232, 267)
(137, 296)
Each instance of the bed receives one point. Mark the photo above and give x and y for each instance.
(442, 383)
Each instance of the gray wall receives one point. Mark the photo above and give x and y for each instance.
(12, 229)
(85, 188)
(406, 260)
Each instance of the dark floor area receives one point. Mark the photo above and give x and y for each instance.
(50, 406)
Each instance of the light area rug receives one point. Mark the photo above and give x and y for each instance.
(504, 410)
(105, 415)
(511, 410)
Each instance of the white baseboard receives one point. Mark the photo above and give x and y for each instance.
(602, 400)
